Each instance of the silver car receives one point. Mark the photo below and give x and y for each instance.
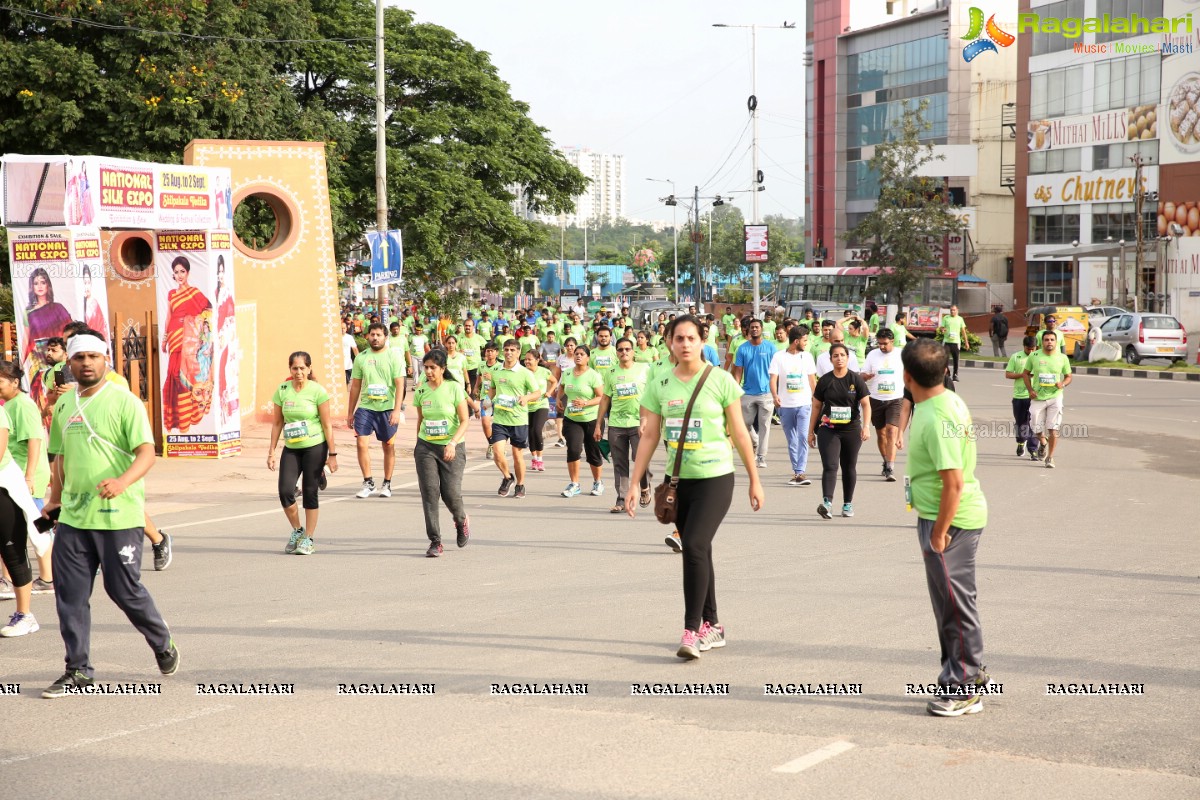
(1146, 336)
(1097, 314)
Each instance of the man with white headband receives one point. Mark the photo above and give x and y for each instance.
(104, 446)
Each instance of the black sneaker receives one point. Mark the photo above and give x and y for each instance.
(435, 550)
(889, 476)
(1020, 449)
(323, 480)
(71, 678)
(825, 509)
(463, 529)
(162, 552)
(168, 661)
(1041, 451)
(519, 490)
(506, 486)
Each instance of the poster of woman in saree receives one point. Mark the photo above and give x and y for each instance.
(44, 318)
(79, 207)
(188, 338)
(227, 344)
(92, 313)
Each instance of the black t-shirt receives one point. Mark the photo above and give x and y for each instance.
(836, 394)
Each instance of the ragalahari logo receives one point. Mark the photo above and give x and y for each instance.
(995, 36)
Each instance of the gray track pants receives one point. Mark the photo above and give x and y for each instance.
(951, 579)
(757, 410)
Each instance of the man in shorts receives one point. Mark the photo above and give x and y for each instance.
(884, 374)
(1047, 373)
(376, 395)
(513, 388)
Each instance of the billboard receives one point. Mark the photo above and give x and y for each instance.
(757, 240)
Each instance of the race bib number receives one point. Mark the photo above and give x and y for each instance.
(627, 390)
(505, 401)
(840, 415)
(604, 361)
(694, 438)
(436, 429)
(886, 387)
(795, 383)
(1047, 379)
(295, 431)
(377, 391)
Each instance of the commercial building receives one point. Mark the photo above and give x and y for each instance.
(864, 68)
(602, 201)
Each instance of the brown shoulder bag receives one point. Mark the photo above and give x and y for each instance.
(665, 505)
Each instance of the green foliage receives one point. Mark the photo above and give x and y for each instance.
(910, 215)
(974, 342)
(6, 304)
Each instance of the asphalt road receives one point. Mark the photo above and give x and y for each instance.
(1089, 573)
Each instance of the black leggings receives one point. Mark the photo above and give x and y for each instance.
(297, 462)
(580, 441)
(14, 535)
(537, 424)
(703, 504)
(952, 351)
(839, 445)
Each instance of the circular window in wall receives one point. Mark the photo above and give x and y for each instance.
(264, 224)
(132, 256)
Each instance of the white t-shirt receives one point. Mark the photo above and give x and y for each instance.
(348, 345)
(793, 370)
(825, 365)
(888, 383)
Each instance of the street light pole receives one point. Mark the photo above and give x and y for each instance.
(674, 229)
(381, 203)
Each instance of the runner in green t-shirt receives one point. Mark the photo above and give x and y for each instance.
(480, 397)
(1047, 373)
(539, 410)
(579, 394)
(441, 403)
(104, 446)
(643, 351)
(951, 515)
(954, 333)
(472, 344)
(302, 418)
(704, 496)
(604, 356)
(621, 403)
(1015, 372)
(16, 504)
(376, 397)
(901, 333)
(512, 389)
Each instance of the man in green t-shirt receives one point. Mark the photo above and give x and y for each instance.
(604, 355)
(1052, 327)
(900, 331)
(951, 514)
(471, 344)
(104, 446)
(954, 334)
(621, 403)
(376, 396)
(1015, 372)
(1047, 373)
(513, 388)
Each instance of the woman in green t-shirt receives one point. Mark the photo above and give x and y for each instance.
(456, 360)
(302, 417)
(539, 410)
(27, 445)
(579, 395)
(705, 475)
(643, 353)
(14, 528)
(441, 403)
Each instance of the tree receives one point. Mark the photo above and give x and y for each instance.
(911, 216)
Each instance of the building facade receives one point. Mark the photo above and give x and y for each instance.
(602, 201)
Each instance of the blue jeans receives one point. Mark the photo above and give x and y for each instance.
(795, 430)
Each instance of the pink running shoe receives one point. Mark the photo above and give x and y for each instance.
(689, 645)
(710, 636)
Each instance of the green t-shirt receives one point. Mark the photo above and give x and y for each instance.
(647, 356)
(713, 333)
(408, 323)
(472, 348)
(953, 329)
(301, 417)
(1045, 371)
(707, 451)
(874, 323)
(819, 346)
(398, 342)
(1062, 340)
(439, 410)
(604, 359)
(541, 377)
(581, 387)
(378, 372)
(96, 440)
(735, 343)
(485, 377)
(510, 385)
(1016, 363)
(769, 329)
(484, 328)
(941, 438)
(624, 387)
(24, 424)
(901, 334)
(417, 343)
(859, 345)
(456, 365)
(780, 344)
(528, 343)
(6, 458)
(730, 323)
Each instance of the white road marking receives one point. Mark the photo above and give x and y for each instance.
(1106, 394)
(204, 712)
(815, 757)
(276, 510)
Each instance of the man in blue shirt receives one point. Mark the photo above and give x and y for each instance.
(750, 369)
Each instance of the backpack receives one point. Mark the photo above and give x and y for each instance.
(1001, 326)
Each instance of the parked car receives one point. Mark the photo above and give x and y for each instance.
(1098, 314)
(1073, 323)
(1146, 336)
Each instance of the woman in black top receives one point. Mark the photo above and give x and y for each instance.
(840, 423)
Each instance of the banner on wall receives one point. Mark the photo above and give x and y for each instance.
(198, 343)
(57, 277)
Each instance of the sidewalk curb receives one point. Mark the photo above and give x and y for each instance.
(1109, 371)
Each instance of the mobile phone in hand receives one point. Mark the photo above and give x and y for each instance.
(45, 524)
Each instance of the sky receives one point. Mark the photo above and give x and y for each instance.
(653, 81)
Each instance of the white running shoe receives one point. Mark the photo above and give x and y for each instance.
(19, 625)
(368, 489)
(386, 489)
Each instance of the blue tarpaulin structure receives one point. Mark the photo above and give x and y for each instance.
(574, 276)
